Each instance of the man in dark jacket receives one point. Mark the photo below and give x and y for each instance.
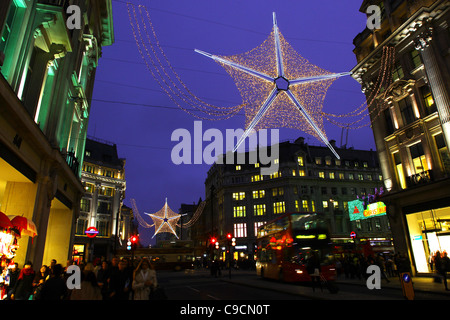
(55, 287)
(120, 282)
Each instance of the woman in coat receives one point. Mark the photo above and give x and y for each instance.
(144, 279)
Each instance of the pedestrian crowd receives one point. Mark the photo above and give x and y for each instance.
(355, 265)
(118, 279)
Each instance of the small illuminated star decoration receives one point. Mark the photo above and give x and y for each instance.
(165, 220)
(290, 84)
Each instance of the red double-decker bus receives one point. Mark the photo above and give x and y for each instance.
(286, 243)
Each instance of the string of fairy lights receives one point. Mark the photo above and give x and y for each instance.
(376, 96)
(163, 72)
(254, 90)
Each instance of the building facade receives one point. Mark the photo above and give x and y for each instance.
(46, 82)
(410, 120)
(103, 177)
(239, 199)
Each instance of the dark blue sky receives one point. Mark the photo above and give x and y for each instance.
(130, 109)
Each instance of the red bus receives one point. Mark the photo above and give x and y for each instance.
(285, 244)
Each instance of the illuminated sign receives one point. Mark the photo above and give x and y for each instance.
(91, 232)
(357, 211)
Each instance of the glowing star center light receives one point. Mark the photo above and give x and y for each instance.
(165, 220)
(281, 83)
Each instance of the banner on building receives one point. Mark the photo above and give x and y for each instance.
(357, 211)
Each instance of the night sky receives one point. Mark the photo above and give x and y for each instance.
(130, 109)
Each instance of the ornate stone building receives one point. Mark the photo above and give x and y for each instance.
(103, 177)
(410, 120)
(239, 199)
(46, 82)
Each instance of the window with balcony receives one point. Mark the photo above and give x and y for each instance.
(399, 170)
(418, 158)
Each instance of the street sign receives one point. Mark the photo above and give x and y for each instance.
(91, 232)
(407, 285)
(353, 234)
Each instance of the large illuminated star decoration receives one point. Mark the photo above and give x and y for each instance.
(279, 87)
(165, 220)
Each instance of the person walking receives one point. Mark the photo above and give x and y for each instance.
(24, 285)
(313, 269)
(144, 280)
(120, 282)
(441, 264)
(89, 290)
(55, 287)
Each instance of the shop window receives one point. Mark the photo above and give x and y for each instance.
(430, 232)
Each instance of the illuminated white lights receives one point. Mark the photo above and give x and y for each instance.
(281, 83)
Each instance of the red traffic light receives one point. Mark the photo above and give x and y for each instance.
(134, 239)
(213, 240)
(229, 236)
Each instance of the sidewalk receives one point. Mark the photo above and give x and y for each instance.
(420, 284)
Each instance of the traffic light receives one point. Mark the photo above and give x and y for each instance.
(213, 241)
(132, 242)
(217, 244)
(233, 242)
(134, 239)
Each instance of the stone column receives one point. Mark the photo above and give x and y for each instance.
(435, 79)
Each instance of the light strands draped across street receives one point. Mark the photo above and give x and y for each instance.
(162, 71)
(278, 87)
(377, 95)
(166, 220)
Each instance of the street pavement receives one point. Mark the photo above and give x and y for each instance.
(349, 289)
